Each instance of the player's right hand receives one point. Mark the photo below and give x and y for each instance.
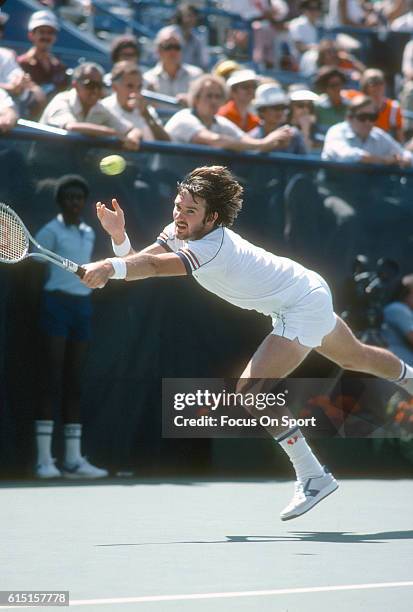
(97, 274)
(112, 221)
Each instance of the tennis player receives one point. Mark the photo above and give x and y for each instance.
(199, 242)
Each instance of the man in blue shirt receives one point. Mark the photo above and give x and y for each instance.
(65, 323)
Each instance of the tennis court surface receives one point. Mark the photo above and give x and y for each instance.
(198, 546)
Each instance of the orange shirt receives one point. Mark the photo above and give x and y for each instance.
(231, 112)
(390, 116)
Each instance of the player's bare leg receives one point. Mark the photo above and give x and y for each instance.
(276, 358)
(342, 347)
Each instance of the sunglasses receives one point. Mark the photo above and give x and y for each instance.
(89, 84)
(366, 117)
(170, 47)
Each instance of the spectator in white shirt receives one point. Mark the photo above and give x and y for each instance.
(128, 104)
(171, 76)
(303, 29)
(80, 110)
(357, 140)
(200, 124)
(8, 112)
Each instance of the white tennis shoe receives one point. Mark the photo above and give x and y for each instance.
(308, 494)
(47, 470)
(83, 469)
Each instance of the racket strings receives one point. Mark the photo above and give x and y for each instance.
(13, 241)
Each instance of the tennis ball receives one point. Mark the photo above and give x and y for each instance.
(112, 164)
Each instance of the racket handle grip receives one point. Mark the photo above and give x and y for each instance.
(80, 272)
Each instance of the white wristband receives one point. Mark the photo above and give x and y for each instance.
(119, 267)
(121, 250)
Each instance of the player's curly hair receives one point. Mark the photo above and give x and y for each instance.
(221, 192)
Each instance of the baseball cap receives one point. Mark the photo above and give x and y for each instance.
(43, 18)
(241, 76)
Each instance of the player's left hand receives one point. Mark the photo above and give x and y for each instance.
(97, 274)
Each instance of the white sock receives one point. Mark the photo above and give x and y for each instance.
(305, 463)
(73, 435)
(43, 434)
(405, 379)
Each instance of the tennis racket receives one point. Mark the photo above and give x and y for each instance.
(15, 241)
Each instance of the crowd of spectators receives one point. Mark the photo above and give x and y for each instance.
(234, 104)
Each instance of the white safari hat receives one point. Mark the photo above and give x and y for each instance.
(270, 95)
(241, 76)
(43, 18)
(303, 95)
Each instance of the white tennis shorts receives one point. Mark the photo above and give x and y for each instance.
(310, 318)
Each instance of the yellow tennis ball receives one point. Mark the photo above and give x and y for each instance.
(112, 164)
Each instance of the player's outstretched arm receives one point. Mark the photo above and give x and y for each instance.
(134, 267)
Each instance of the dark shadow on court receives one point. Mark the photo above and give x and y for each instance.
(336, 537)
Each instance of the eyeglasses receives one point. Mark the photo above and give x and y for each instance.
(170, 47)
(89, 84)
(275, 107)
(366, 117)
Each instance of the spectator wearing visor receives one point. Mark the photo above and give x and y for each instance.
(302, 114)
(272, 105)
(242, 85)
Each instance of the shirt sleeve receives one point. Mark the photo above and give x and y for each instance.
(197, 254)
(183, 126)
(167, 238)
(58, 113)
(399, 317)
(46, 238)
(336, 148)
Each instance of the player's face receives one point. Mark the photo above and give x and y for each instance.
(191, 222)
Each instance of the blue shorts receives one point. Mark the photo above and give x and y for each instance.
(66, 315)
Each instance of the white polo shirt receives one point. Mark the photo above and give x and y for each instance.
(134, 116)
(184, 125)
(241, 273)
(74, 242)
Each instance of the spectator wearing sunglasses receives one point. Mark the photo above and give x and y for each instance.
(80, 110)
(171, 76)
(242, 85)
(272, 105)
(358, 140)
